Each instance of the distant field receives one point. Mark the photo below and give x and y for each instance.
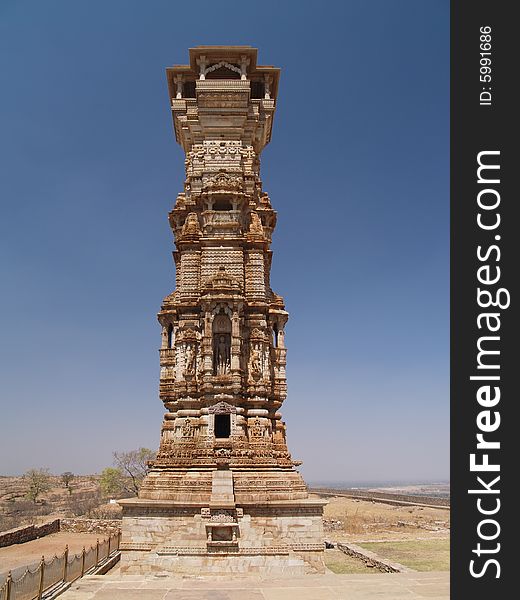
(421, 555)
(424, 489)
(362, 520)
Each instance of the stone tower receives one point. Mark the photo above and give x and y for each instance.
(223, 493)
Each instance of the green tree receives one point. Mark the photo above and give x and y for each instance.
(111, 482)
(66, 479)
(38, 481)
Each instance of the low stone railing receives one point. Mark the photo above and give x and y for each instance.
(371, 559)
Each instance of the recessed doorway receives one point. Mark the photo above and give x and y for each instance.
(222, 426)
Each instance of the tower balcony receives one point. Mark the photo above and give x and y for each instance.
(166, 387)
(223, 85)
(167, 357)
(225, 223)
(223, 105)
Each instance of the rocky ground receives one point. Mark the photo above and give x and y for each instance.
(84, 498)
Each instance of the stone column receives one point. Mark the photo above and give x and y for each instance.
(202, 66)
(207, 344)
(235, 340)
(178, 81)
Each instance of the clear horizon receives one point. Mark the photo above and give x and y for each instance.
(358, 171)
(368, 483)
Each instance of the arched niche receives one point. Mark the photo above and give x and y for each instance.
(221, 343)
(275, 335)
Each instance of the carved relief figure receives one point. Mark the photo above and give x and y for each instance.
(256, 430)
(191, 225)
(255, 365)
(256, 225)
(190, 360)
(187, 428)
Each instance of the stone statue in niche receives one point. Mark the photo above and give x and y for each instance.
(255, 363)
(222, 354)
(165, 337)
(190, 360)
(221, 344)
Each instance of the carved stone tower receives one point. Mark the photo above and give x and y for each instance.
(223, 493)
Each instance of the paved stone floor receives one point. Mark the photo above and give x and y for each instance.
(395, 586)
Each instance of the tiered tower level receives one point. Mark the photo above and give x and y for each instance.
(223, 460)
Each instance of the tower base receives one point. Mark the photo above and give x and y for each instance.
(268, 538)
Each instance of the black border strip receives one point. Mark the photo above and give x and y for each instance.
(477, 128)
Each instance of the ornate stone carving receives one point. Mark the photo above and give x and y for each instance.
(255, 364)
(191, 226)
(222, 408)
(223, 452)
(255, 227)
(256, 430)
(221, 64)
(222, 516)
(223, 181)
(222, 282)
(187, 428)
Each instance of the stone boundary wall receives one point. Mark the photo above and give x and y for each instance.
(76, 525)
(385, 497)
(28, 533)
(371, 559)
(79, 525)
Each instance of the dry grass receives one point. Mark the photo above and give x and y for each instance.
(421, 555)
(366, 520)
(414, 536)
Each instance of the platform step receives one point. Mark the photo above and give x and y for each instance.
(222, 493)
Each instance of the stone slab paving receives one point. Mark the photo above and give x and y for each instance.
(392, 586)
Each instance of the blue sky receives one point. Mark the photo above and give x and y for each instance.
(358, 170)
